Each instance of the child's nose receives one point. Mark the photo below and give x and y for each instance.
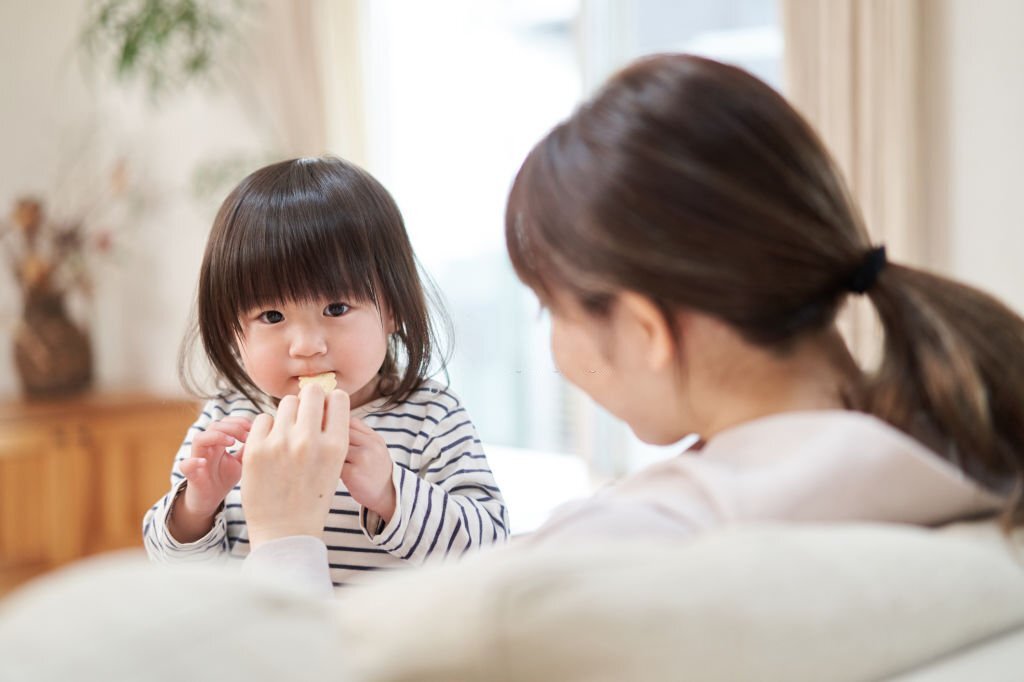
(307, 343)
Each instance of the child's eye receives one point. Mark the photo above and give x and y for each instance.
(336, 309)
(271, 317)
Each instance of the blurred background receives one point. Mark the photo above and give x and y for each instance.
(125, 122)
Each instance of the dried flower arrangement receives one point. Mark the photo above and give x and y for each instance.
(50, 258)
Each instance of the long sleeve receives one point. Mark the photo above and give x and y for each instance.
(160, 544)
(297, 560)
(162, 547)
(447, 499)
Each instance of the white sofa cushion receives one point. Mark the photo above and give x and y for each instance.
(837, 602)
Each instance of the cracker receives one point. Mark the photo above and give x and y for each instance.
(326, 381)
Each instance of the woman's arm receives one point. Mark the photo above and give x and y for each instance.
(290, 471)
(299, 560)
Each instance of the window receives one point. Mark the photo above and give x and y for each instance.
(458, 91)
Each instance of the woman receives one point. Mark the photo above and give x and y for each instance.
(694, 242)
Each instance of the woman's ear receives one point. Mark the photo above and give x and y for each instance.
(651, 330)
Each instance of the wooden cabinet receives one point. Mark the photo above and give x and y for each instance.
(77, 475)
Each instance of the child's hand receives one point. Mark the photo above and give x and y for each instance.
(291, 464)
(211, 471)
(368, 468)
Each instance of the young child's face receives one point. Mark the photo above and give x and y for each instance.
(281, 343)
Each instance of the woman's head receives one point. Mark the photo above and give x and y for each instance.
(685, 186)
(698, 188)
(308, 268)
(696, 185)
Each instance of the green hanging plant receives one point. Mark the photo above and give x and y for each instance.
(164, 43)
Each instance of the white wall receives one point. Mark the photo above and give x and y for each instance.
(974, 159)
(974, 156)
(49, 111)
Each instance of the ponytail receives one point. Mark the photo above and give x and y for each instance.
(952, 376)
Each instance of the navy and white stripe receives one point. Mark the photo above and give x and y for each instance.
(447, 500)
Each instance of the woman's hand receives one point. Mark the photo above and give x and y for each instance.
(368, 468)
(211, 473)
(291, 464)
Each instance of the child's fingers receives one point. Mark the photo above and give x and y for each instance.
(359, 425)
(191, 467)
(236, 430)
(357, 430)
(358, 439)
(361, 435)
(211, 437)
(242, 421)
(355, 450)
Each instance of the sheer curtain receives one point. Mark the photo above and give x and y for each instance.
(852, 68)
(341, 28)
(442, 101)
(281, 80)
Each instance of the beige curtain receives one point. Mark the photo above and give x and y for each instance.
(852, 68)
(302, 76)
(343, 31)
(280, 80)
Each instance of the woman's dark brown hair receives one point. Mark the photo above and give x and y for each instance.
(698, 186)
(309, 230)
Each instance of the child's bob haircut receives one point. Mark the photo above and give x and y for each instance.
(308, 230)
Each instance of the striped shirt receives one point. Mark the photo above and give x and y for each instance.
(447, 500)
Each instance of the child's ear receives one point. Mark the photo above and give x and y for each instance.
(655, 335)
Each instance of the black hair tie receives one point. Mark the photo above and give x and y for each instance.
(864, 277)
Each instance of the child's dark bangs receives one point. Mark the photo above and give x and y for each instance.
(301, 260)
